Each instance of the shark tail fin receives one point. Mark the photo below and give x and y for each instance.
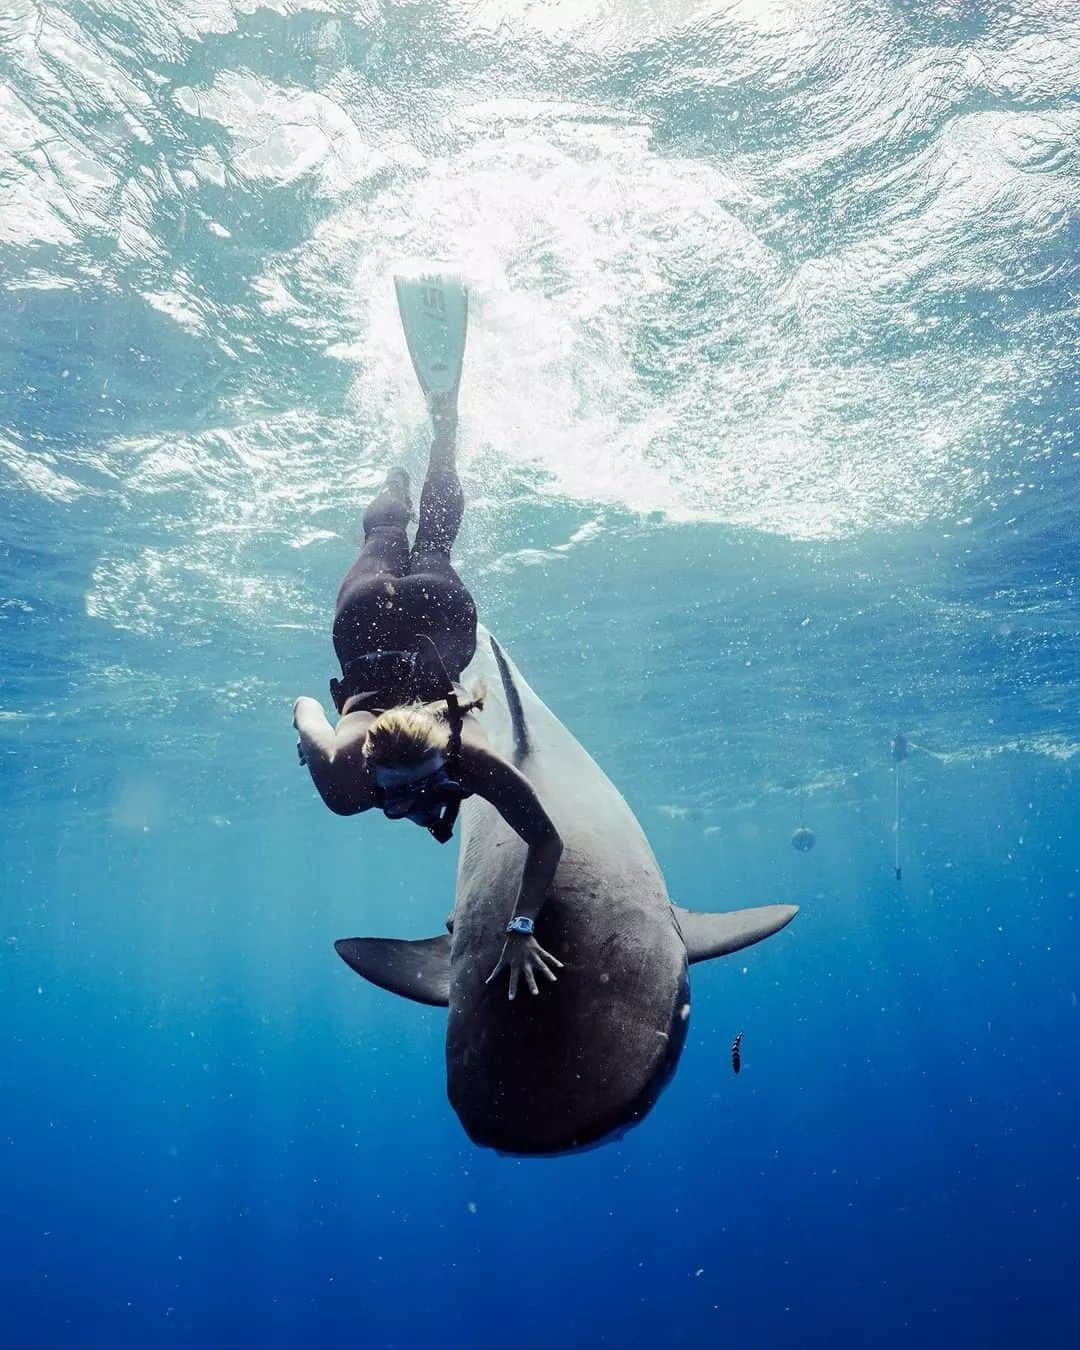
(709, 935)
(416, 970)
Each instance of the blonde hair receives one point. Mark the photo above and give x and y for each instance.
(406, 735)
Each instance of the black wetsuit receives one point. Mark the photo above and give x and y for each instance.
(393, 592)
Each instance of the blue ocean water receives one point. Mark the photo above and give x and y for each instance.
(768, 436)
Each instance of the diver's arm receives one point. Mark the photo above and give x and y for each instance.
(317, 748)
(537, 875)
(514, 798)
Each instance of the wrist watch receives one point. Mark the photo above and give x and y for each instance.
(520, 923)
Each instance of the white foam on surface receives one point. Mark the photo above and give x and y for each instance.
(795, 271)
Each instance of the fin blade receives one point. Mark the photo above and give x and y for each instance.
(434, 308)
(709, 935)
(417, 970)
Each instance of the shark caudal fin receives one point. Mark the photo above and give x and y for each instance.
(709, 935)
(416, 970)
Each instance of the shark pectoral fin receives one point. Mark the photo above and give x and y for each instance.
(416, 970)
(709, 935)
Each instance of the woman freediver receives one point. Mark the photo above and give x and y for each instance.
(404, 629)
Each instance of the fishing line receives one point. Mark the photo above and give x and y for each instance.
(899, 754)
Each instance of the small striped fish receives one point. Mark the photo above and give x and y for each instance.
(736, 1052)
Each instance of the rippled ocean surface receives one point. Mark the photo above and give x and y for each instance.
(769, 443)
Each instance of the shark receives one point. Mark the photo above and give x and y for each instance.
(586, 1059)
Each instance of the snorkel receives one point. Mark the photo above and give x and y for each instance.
(441, 828)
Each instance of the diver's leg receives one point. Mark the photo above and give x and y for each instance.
(437, 600)
(386, 545)
(392, 508)
(383, 558)
(442, 502)
(438, 604)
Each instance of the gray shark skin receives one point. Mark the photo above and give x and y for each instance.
(586, 1058)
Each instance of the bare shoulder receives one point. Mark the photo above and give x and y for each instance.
(348, 775)
(352, 728)
(484, 769)
(505, 787)
(481, 765)
(472, 737)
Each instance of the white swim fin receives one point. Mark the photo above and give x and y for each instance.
(435, 315)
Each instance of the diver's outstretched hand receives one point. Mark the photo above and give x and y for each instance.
(522, 953)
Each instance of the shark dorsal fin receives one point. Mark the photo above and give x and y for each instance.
(709, 935)
(522, 744)
(417, 970)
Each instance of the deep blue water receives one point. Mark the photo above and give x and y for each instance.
(769, 443)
